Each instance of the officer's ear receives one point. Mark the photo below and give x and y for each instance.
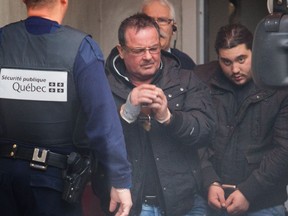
(120, 50)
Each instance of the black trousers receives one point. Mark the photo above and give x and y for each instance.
(25, 191)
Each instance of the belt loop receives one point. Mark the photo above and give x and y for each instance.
(151, 200)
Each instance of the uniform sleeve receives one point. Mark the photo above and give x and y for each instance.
(103, 128)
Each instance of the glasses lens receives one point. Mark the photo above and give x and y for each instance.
(138, 51)
(142, 51)
(154, 50)
(163, 21)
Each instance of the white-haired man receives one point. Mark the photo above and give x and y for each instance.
(163, 12)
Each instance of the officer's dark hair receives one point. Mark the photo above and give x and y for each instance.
(232, 35)
(138, 21)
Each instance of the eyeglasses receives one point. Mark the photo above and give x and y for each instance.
(142, 51)
(163, 21)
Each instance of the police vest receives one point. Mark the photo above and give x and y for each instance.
(39, 104)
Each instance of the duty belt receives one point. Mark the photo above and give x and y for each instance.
(39, 158)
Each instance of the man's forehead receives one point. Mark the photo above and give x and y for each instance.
(133, 34)
(156, 10)
(234, 53)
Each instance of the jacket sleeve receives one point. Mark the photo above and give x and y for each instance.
(273, 167)
(209, 174)
(206, 153)
(194, 124)
(103, 127)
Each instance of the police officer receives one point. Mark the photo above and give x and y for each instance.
(54, 101)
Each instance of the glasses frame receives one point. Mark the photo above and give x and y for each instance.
(142, 51)
(162, 21)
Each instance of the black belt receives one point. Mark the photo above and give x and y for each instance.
(40, 158)
(151, 200)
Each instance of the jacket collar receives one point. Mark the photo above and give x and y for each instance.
(117, 76)
(115, 65)
(220, 81)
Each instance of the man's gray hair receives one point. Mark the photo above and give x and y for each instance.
(163, 2)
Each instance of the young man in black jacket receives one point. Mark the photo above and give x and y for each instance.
(166, 115)
(245, 168)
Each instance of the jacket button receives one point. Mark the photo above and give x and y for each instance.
(170, 95)
(181, 89)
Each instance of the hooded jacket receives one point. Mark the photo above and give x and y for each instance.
(174, 146)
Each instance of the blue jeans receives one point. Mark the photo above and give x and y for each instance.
(273, 211)
(200, 208)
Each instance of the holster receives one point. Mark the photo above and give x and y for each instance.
(76, 176)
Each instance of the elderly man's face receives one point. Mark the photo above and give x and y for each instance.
(141, 54)
(158, 11)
